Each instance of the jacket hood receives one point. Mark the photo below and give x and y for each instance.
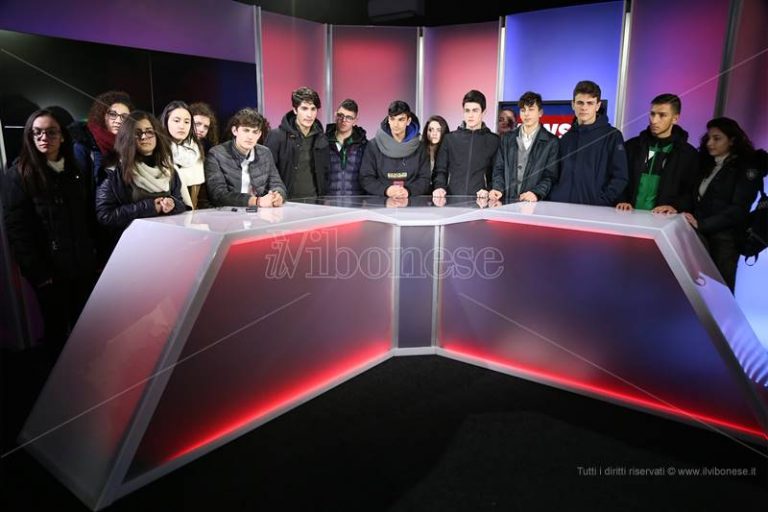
(411, 131)
(358, 132)
(288, 124)
(678, 134)
(483, 128)
(600, 122)
(79, 132)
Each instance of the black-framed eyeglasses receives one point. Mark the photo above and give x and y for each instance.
(114, 115)
(38, 133)
(342, 117)
(149, 133)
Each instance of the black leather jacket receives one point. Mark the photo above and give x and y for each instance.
(541, 170)
(114, 202)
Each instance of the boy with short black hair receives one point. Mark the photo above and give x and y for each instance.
(663, 166)
(593, 160)
(464, 162)
(395, 163)
(346, 144)
(527, 161)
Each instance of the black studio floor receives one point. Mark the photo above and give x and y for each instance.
(419, 434)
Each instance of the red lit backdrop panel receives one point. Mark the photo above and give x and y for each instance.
(679, 52)
(293, 52)
(374, 66)
(456, 59)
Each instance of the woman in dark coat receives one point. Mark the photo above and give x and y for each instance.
(143, 183)
(94, 140)
(48, 209)
(724, 192)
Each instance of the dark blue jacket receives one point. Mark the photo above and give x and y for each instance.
(87, 154)
(344, 166)
(593, 165)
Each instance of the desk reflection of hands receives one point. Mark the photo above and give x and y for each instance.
(397, 202)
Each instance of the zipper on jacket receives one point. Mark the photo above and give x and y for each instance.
(469, 162)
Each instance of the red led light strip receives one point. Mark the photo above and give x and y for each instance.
(338, 372)
(623, 397)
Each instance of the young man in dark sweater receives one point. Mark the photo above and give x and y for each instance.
(465, 160)
(662, 164)
(300, 148)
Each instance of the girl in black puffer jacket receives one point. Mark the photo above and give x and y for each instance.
(49, 217)
(724, 193)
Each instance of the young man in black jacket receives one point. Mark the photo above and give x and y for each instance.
(662, 164)
(465, 160)
(527, 161)
(300, 148)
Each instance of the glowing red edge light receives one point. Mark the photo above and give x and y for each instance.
(570, 383)
(297, 231)
(343, 370)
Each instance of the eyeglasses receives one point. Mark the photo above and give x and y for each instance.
(342, 117)
(149, 133)
(37, 133)
(114, 115)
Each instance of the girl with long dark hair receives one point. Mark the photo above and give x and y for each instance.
(435, 130)
(187, 153)
(143, 183)
(48, 209)
(724, 193)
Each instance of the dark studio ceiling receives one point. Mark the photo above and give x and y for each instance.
(405, 12)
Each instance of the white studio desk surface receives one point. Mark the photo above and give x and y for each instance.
(207, 324)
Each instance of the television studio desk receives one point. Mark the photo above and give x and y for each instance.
(206, 325)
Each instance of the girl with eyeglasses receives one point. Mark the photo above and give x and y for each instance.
(143, 183)
(49, 218)
(187, 153)
(94, 140)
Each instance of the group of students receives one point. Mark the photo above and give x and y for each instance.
(74, 189)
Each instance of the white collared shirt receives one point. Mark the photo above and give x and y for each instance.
(245, 184)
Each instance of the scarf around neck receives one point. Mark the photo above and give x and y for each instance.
(393, 149)
(105, 140)
(150, 178)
